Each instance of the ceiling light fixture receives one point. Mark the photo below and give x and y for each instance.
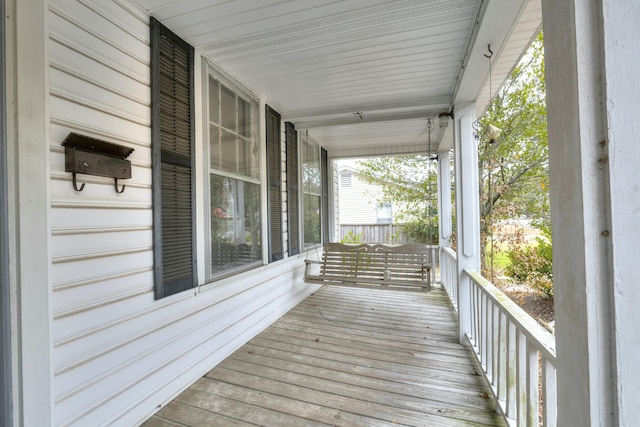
(443, 119)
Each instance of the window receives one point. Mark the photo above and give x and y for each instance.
(345, 179)
(234, 179)
(311, 192)
(172, 157)
(384, 213)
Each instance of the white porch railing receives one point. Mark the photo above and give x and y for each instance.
(449, 275)
(516, 353)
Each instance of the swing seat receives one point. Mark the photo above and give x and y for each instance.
(404, 267)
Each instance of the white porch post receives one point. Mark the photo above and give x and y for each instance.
(444, 199)
(467, 208)
(444, 212)
(28, 196)
(593, 81)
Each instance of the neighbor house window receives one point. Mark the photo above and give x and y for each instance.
(234, 179)
(345, 179)
(384, 213)
(311, 192)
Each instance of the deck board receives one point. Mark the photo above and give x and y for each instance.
(345, 357)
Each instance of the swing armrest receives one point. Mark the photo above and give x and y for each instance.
(307, 268)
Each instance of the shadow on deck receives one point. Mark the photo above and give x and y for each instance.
(345, 357)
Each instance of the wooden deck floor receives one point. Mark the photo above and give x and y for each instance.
(345, 357)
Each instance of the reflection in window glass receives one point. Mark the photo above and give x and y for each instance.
(311, 219)
(235, 223)
(312, 192)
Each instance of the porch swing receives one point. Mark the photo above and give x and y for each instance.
(407, 266)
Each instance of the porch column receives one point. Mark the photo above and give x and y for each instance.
(593, 81)
(467, 208)
(444, 198)
(444, 212)
(27, 58)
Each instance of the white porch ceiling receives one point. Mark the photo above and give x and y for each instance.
(363, 76)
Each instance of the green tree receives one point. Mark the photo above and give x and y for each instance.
(514, 176)
(514, 171)
(409, 182)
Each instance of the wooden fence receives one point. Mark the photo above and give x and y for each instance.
(374, 233)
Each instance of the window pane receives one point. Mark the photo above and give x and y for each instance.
(215, 148)
(311, 169)
(311, 219)
(235, 224)
(229, 160)
(228, 106)
(244, 118)
(248, 158)
(384, 213)
(214, 101)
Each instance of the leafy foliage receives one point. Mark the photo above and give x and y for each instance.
(410, 183)
(514, 178)
(352, 237)
(532, 264)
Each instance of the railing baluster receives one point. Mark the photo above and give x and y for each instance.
(490, 342)
(521, 379)
(496, 346)
(532, 386)
(549, 394)
(472, 329)
(511, 371)
(502, 365)
(483, 331)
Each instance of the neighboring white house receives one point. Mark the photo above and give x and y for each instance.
(358, 200)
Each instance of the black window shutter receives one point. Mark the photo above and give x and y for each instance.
(172, 140)
(274, 180)
(324, 174)
(293, 209)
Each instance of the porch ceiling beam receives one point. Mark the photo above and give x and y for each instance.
(443, 101)
(364, 118)
(494, 25)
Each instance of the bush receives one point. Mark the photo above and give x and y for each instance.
(532, 264)
(351, 237)
(422, 231)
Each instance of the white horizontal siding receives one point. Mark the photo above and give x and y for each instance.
(118, 354)
(358, 201)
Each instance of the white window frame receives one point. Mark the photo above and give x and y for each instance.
(210, 70)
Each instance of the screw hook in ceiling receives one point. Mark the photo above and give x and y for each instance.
(490, 52)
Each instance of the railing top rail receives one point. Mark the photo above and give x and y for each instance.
(539, 336)
(450, 251)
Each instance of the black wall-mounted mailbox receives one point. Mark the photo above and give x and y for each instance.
(92, 156)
